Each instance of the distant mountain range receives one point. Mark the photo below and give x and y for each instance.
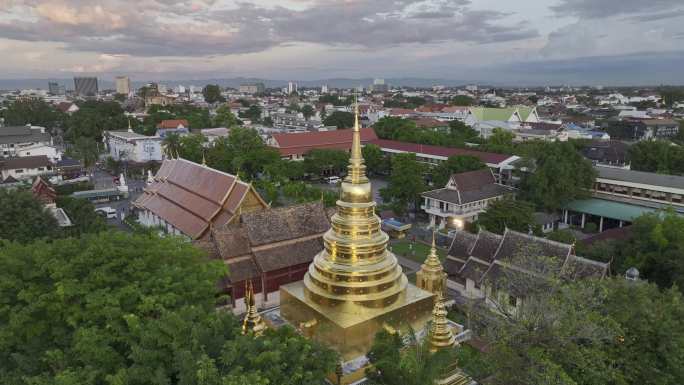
(105, 83)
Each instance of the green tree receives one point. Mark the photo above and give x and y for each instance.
(325, 162)
(657, 156)
(340, 119)
(212, 94)
(376, 162)
(561, 174)
(192, 147)
(455, 164)
(253, 113)
(405, 184)
(86, 150)
(462, 100)
(82, 215)
(94, 117)
(24, 217)
(225, 118)
(508, 213)
(308, 111)
(461, 130)
(171, 144)
(500, 141)
(589, 332)
(115, 308)
(34, 112)
(394, 363)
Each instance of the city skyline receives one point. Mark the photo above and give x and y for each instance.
(564, 41)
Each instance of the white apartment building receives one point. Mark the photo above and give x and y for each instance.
(133, 147)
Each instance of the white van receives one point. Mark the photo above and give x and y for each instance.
(106, 212)
(333, 179)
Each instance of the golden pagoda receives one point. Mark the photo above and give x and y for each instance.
(354, 287)
(253, 323)
(431, 276)
(440, 334)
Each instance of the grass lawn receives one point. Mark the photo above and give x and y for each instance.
(419, 252)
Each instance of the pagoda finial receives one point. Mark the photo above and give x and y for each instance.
(130, 129)
(441, 335)
(204, 159)
(356, 168)
(431, 276)
(252, 322)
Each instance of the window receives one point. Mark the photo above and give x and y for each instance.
(19, 171)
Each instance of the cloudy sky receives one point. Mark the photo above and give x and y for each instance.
(521, 41)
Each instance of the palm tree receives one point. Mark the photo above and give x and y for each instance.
(87, 151)
(171, 144)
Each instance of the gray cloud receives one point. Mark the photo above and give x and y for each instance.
(176, 28)
(608, 8)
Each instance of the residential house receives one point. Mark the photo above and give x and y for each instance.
(465, 196)
(46, 195)
(485, 119)
(172, 126)
(26, 167)
(19, 141)
(133, 147)
(659, 128)
(610, 153)
(188, 199)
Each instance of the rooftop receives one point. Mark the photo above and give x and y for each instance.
(641, 177)
(442, 152)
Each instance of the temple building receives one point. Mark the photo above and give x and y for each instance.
(354, 287)
(188, 199)
(478, 265)
(267, 248)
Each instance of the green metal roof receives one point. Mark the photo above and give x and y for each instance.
(486, 113)
(608, 209)
(524, 112)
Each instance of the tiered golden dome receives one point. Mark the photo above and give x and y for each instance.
(355, 269)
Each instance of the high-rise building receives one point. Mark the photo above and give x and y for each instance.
(291, 87)
(55, 89)
(324, 89)
(85, 86)
(123, 85)
(252, 88)
(379, 85)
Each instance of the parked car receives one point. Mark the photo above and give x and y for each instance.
(333, 179)
(106, 212)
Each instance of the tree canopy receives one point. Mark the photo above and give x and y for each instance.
(116, 308)
(212, 94)
(324, 161)
(24, 217)
(657, 156)
(405, 184)
(508, 213)
(34, 112)
(340, 119)
(455, 164)
(376, 161)
(95, 117)
(560, 174)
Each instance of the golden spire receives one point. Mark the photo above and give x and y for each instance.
(252, 322)
(441, 335)
(355, 271)
(431, 276)
(204, 159)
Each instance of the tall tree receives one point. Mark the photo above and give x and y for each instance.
(171, 144)
(560, 175)
(225, 118)
(376, 161)
(340, 119)
(324, 161)
(308, 111)
(212, 94)
(455, 164)
(192, 147)
(500, 141)
(24, 218)
(34, 112)
(86, 150)
(82, 215)
(508, 213)
(406, 183)
(116, 308)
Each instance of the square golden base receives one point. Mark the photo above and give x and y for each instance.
(350, 329)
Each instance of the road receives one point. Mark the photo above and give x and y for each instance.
(104, 180)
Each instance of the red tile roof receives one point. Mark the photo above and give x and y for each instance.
(173, 123)
(486, 157)
(192, 197)
(301, 143)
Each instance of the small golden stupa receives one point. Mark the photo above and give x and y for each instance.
(354, 287)
(431, 276)
(253, 323)
(440, 334)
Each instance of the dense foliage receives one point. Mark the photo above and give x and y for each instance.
(657, 156)
(405, 184)
(82, 214)
(326, 162)
(394, 363)
(508, 213)
(34, 112)
(340, 119)
(115, 309)
(624, 333)
(405, 130)
(95, 117)
(24, 218)
(212, 94)
(559, 174)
